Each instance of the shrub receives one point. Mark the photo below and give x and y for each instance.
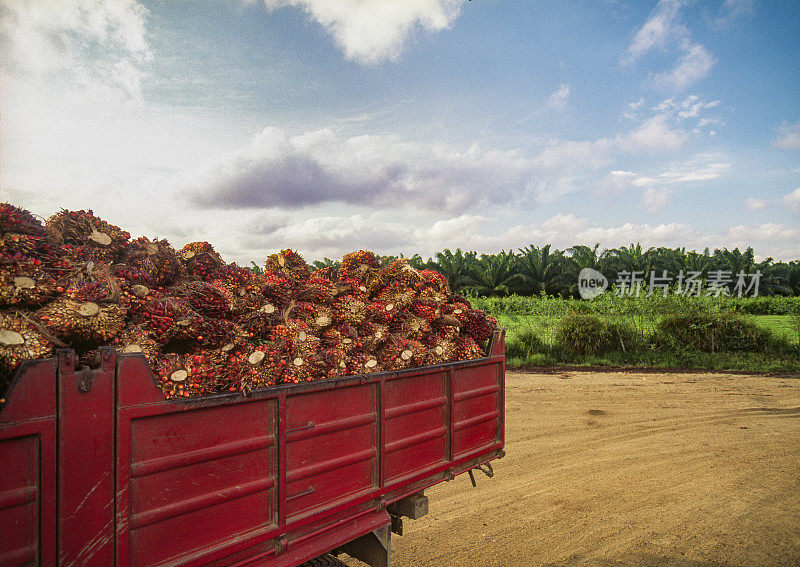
(710, 331)
(579, 333)
(524, 344)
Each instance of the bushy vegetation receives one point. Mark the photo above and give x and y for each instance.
(672, 331)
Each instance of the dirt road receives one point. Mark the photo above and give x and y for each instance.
(624, 469)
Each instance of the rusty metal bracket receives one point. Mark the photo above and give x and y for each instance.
(485, 468)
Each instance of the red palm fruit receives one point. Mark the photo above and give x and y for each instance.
(382, 312)
(188, 375)
(328, 272)
(200, 259)
(100, 240)
(82, 321)
(303, 369)
(288, 263)
(467, 348)
(157, 258)
(25, 285)
(240, 286)
(434, 280)
(277, 288)
(458, 310)
(255, 367)
(335, 362)
(258, 324)
(19, 340)
(160, 313)
(440, 352)
(349, 310)
(401, 271)
(425, 309)
(351, 286)
(363, 363)
(478, 325)
(136, 338)
(373, 335)
(206, 299)
(315, 290)
(363, 267)
(412, 327)
(400, 353)
(19, 221)
(398, 294)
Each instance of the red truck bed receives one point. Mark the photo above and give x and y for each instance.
(97, 468)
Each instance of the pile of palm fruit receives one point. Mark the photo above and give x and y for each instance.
(209, 327)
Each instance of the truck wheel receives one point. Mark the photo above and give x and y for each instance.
(326, 560)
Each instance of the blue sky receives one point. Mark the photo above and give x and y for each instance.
(408, 126)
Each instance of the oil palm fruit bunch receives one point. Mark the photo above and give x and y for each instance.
(19, 221)
(160, 314)
(335, 362)
(136, 338)
(19, 340)
(398, 294)
(288, 263)
(349, 310)
(466, 348)
(92, 282)
(434, 280)
(99, 239)
(25, 284)
(400, 270)
(86, 322)
(156, 258)
(411, 327)
(206, 299)
(200, 259)
(426, 308)
(399, 353)
(316, 290)
(258, 324)
(362, 266)
(478, 325)
(240, 286)
(440, 351)
(276, 287)
(187, 375)
(364, 363)
(304, 367)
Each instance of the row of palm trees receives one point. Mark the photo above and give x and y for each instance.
(534, 270)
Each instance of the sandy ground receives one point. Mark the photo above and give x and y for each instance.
(627, 469)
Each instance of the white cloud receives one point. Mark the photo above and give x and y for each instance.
(789, 138)
(661, 31)
(81, 43)
(657, 31)
(792, 200)
(559, 99)
(693, 65)
(375, 31)
(655, 199)
(734, 9)
(654, 135)
(753, 204)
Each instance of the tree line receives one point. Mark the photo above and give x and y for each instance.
(536, 270)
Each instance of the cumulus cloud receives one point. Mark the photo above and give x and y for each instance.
(792, 200)
(378, 170)
(375, 31)
(654, 135)
(789, 137)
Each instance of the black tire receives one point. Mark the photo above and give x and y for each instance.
(326, 560)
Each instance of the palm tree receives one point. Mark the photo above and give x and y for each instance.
(455, 267)
(541, 270)
(493, 275)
